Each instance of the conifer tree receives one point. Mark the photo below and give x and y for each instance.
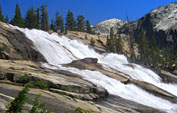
(30, 20)
(132, 54)
(112, 37)
(44, 18)
(52, 26)
(88, 27)
(108, 43)
(17, 104)
(37, 19)
(70, 22)
(6, 19)
(80, 23)
(1, 15)
(92, 42)
(143, 46)
(59, 22)
(119, 45)
(17, 20)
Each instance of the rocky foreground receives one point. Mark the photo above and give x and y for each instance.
(67, 91)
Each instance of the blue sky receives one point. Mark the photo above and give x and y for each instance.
(94, 10)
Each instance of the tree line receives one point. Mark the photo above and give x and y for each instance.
(149, 52)
(114, 42)
(151, 55)
(39, 19)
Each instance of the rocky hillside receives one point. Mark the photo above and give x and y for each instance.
(66, 91)
(160, 24)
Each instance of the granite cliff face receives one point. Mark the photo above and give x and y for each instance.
(160, 24)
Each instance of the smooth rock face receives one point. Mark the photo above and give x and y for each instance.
(15, 45)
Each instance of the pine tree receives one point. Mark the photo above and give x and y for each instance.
(44, 18)
(17, 104)
(52, 26)
(6, 19)
(112, 40)
(80, 23)
(143, 47)
(1, 15)
(70, 22)
(119, 45)
(59, 23)
(17, 20)
(132, 54)
(37, 26)
(88, 27)
(30, 20)
(92, 42)
(108, 43)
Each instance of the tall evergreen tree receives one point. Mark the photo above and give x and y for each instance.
(110, 44)
(80, 23)
(112, 38)
(59, 22)
(70, 22)
(1, 15)
(30, 20)
(143, 47)
(44, 18)
(119, 44)
(6, 19)
(52, 26)
(132, 54)
(37, 19)
(17, 20)
(88, 27)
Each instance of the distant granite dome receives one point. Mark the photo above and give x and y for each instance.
(105, 26)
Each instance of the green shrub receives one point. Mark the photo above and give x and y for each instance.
(12, 68)
(4, 48)
(23, 78)
(80, 110)
(40, 84)
(92, 42)
(64, 88)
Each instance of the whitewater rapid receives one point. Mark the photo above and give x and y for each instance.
(62, 50)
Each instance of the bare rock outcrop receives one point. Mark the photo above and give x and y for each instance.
(15, 45)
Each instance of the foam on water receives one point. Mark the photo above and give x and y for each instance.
(60, 50)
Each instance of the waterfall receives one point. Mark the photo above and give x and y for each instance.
(62, 50)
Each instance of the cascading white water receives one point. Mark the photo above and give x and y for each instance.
(60, 50)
